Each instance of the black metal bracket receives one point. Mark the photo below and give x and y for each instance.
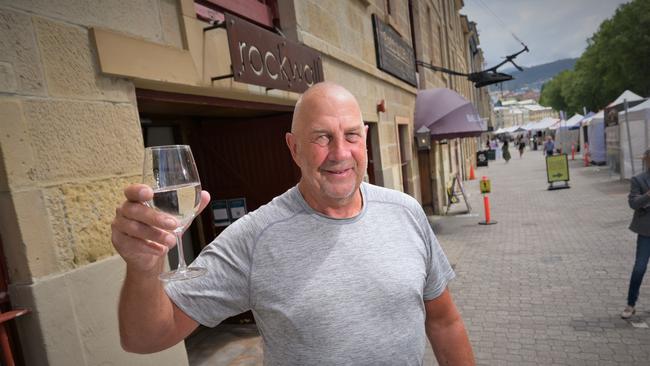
(216, 25)
(221, 77)
(484, 77)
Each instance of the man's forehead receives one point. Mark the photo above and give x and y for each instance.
(327, 104)
(327, 123)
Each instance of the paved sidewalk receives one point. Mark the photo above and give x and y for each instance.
(545, 285)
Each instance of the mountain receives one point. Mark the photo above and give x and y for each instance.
(533, 77)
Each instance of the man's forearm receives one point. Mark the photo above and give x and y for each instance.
(145, 314)
(451, 344)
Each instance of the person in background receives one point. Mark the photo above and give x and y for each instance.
(521, 145)
(506, 152)
(639, 201)
(549, 146)
(494, 145)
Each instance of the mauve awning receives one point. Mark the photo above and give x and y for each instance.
(447, 114)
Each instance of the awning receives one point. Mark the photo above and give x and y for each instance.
(571, 123)
(447, 114)
(545, 123)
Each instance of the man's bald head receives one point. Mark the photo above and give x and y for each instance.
(322, 98)
(328, 142)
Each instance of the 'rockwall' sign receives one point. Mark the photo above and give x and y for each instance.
(263, 58)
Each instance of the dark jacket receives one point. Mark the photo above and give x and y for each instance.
(639, 201)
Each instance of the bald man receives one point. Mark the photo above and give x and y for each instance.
(336, 271)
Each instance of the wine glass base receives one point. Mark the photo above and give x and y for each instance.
(184, 274)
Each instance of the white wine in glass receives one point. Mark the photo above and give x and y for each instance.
(171, 172)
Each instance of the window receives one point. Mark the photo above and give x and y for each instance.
(441, 46)
(405, 155)
(413, 25)
(428, 32)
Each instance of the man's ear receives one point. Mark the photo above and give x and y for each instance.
(291, 144)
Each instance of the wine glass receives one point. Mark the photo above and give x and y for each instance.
(171, 172)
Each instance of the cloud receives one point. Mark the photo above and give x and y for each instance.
(552, 29)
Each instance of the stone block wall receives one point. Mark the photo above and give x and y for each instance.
(70, 141)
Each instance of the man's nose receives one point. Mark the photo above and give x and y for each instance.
(339, 149)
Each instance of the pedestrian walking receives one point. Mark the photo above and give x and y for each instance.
(549, 146)
(639, 201)
(521, 144)
(333, 273)
(506, 152)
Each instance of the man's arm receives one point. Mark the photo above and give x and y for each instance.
(446, 332)
(148, 320)
(636, 199)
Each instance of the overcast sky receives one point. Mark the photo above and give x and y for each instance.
(552, 29)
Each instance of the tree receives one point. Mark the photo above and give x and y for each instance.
(551, 94)
(617, 58)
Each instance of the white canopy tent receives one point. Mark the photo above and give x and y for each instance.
(511, 129)
(638, 118)
(544, 124)
(613, 130)
(626, 95)
(596, 137)
(528, 126)
(566, 135)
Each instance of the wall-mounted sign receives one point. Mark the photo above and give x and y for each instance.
(264, 58)
(220, 212)
(225, 212)
(611, 113)
(394, 55)
(237, 208)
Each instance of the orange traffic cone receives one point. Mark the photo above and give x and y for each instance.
(471, 172)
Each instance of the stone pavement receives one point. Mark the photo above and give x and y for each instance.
(544, 286)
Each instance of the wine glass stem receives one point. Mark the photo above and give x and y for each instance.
(182, 267)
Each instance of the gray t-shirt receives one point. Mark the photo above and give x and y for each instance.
(325, 291)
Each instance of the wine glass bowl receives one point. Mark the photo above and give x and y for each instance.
(171, 172)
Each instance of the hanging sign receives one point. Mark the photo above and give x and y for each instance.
(264, 58)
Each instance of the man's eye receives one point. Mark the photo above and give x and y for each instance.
(353, 137)
(322, 140)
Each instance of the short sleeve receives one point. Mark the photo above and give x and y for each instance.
(439, 272)
(224, 291)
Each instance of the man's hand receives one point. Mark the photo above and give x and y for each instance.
(148, 320)
(142, 235)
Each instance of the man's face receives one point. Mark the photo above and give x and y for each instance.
(329, 146)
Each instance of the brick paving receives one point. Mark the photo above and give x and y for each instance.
(544, 286)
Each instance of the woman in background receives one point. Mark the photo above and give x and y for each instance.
(506, 152)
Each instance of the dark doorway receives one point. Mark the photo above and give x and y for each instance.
(239, 148)
(243, 158)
